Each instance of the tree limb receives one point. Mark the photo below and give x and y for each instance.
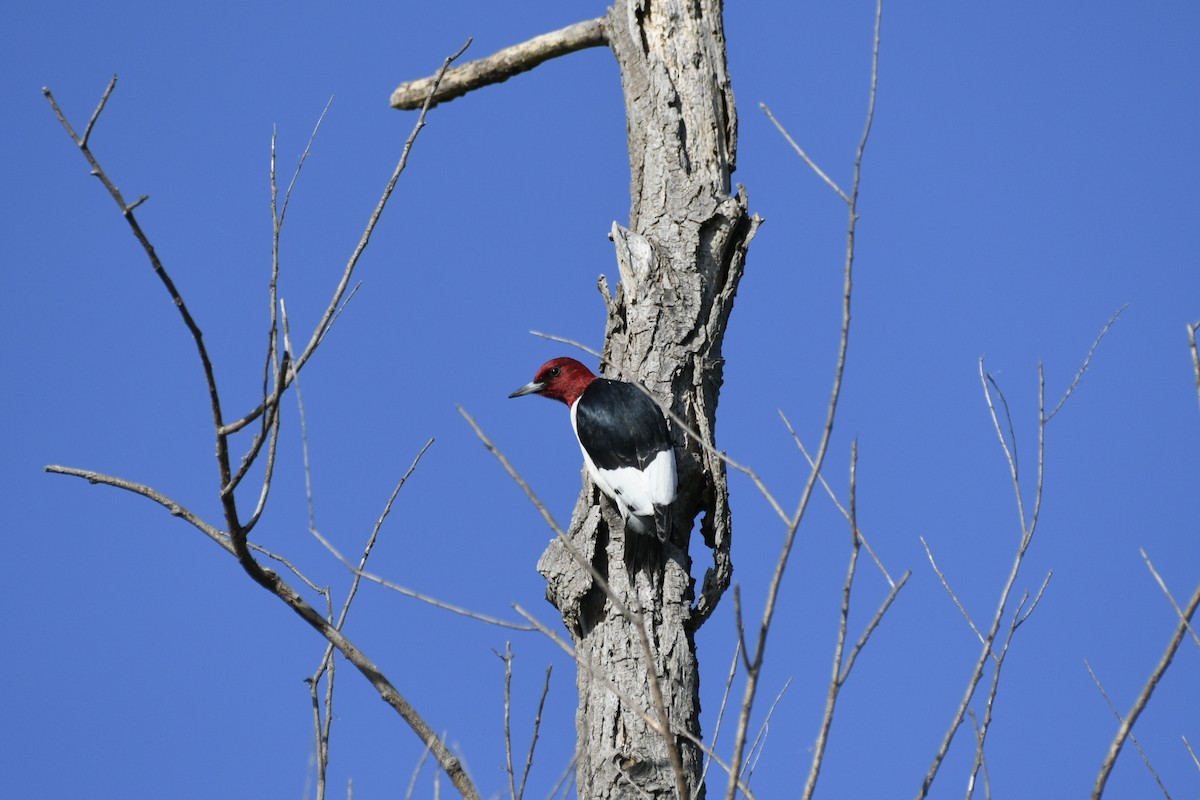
(500, 66)
(1143, 699)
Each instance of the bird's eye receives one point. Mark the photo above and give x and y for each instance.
(554, 372)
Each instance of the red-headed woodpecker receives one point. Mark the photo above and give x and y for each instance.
(625, 442)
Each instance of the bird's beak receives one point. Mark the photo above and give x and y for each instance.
(529, 388)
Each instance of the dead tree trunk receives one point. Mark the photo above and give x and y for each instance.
(680, 260)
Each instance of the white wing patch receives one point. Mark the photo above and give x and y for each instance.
(635, 491)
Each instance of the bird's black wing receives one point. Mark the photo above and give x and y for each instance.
(620, 425)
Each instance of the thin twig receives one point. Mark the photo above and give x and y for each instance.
(838, 503)
(292, 568)
(980, 763)
(941, 576)
(537, 726)
(571, 342)
(843, 663)
(340, 291)
(1170, 598)
(1087, 360)
(424, 598)
(543, 629)
(752, 675)
(507, 657)
(323, 712)
(177, 510)
(176, 298)
(1010, 450)
(269, 431)
(1132, 738)
(848, 664)
(737, 652)
(278, 215)
(564, 780)
(1143, 699)
(87, 132)
(800, 151)
(1191, 752)
(370, 545)
(412, 781)
(760, 739)
(835, 682)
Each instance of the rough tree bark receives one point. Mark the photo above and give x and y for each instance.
(680, 260)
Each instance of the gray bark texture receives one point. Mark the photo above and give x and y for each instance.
(680, 261)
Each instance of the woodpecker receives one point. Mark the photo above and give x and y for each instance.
(625, 442)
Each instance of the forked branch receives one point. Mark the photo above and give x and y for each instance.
(992, 649)
(234, 538)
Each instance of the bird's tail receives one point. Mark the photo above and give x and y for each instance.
(646, 539)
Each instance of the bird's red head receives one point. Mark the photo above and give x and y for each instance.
(559, 378)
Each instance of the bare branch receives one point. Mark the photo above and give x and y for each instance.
(87, 132)
(236, 539)
(833, 496)
(843, 663)
(827, 434)
(1170, 598)
(176, 298)
(1010, 451)
(737, 652)
(412, 782)
(848, 664)
(1087, 360)
(1132, 738)
(537, 725)
(292, 568)
(800, 151)
(370, 545)
(270, 430)
(177, 510)
(1191, 752)
(980, 761)
(395, 587)
(835, 682)
(500, 66)
(1143, 699)
(541, 628)
(760, 739)
(332, 308)
(274, 416)
(946, 585)
(571, 342)
(277, 217)
(507, 658)
(323, 708)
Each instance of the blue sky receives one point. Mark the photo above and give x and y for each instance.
(1032, 169)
